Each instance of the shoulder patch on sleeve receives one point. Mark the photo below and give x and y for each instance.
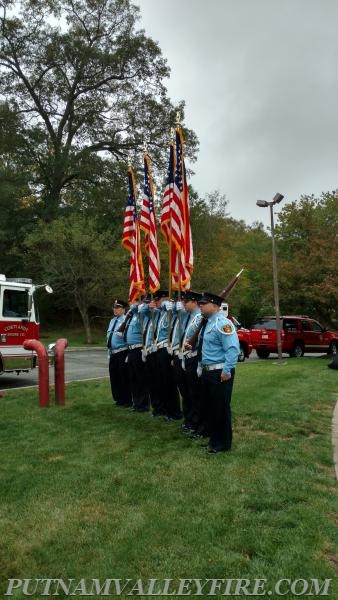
(227, 327)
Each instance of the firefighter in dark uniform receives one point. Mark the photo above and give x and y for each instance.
(185, 362)
(218, 350)
(118, 350)
(180, 319)
(162, 368)
(150, 311)
(133, 336)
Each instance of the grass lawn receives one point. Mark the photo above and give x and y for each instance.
(90, 490)
(76, 335)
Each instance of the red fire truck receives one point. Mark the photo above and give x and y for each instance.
(19, 321)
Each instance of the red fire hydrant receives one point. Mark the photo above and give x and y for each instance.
(43, 369)
(59, 370)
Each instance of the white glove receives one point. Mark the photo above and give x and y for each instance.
(179, 305)
(140, 307)
(168, 305)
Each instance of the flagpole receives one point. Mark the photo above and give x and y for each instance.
(178, 126)
(145, 149)
(172, 137)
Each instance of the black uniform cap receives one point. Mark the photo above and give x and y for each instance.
(120, 303)
(176, 297)
(194, 296)
(213, 298)
(161, 294)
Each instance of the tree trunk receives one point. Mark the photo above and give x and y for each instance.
(86, 324)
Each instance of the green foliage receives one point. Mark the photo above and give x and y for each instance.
(78, 98)
(79, 262)
(88, 90)
(92, 490)
(307, 234)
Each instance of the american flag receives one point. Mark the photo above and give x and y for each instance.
(167, 196)
(180, 208)
(148, 225)
(166, 217)
(131, 241)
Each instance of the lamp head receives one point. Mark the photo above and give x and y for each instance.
(262, 203)
(277, 198)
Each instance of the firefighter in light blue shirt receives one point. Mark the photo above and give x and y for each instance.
(133, 335)
(118, 350)
(151, 314)
(218, 350)
(162, 370)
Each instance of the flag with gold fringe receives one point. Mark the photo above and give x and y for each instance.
(148, 225)
(131, 241)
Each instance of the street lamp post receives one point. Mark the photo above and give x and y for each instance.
(263, 203)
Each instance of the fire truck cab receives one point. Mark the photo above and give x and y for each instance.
(19, 321)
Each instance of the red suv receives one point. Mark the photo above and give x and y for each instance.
(244, 338)
(299, 334)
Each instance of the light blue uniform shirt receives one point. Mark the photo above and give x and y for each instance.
(180, 330)
(220, 343)
(146, 314)
(117, 340)
(135, 328)
(163, 327)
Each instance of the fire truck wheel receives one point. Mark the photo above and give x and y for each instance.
(297, 350)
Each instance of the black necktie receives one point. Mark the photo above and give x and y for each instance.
(200, 341)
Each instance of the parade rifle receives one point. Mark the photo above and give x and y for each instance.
(224, 294)
(128, 318)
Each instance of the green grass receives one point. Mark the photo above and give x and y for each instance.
(90, 490)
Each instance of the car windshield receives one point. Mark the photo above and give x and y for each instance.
(265, 324)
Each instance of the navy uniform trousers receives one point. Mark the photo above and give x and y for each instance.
(154, 385)
(137, 380)
(167, 385)
(119, 379)
(217, 395)
(198, 406)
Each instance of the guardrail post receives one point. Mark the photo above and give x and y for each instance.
(59, 370)
(43, 369)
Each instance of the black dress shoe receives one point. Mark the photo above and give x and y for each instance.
(214, 451)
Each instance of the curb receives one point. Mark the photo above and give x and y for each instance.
(86, 348)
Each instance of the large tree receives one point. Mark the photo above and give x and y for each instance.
(88, 89)
(308, 257)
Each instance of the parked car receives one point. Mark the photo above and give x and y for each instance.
(299, 334)
(244, 340)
